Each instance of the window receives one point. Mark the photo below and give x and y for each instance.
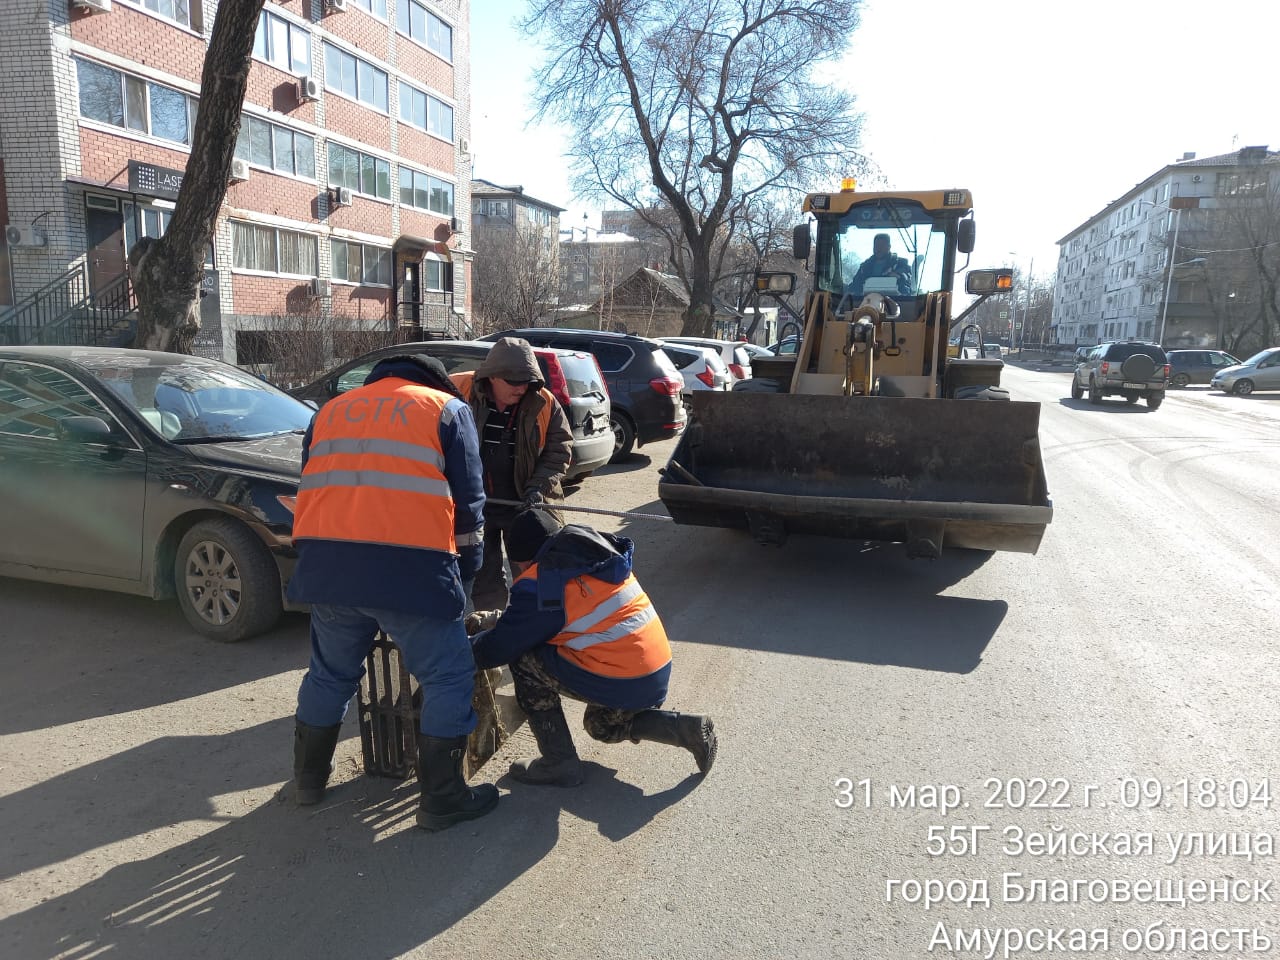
(178, 11)
(359, 171)
(34, 398)
(425, 192)
(360, 263)
(420, 24)
(425, 112)
(355, 78)
(109, 96)
(270, 250)
(276, 148)
(612, 357)
(376, 7)
(433, 275)
(499, 209)
(282, 44)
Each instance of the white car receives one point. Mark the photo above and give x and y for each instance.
(735, 354)
(701, 367)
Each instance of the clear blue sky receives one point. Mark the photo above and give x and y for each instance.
(1046, 112)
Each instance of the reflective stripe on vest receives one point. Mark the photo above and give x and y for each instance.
(375, 469)
(611, 629)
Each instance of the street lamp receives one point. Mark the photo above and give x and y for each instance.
(1177, 205)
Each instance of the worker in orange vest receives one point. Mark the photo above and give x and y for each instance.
(388, 524)
(526, 444)
(579, 625)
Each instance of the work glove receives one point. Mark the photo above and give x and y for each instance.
(533, 498)
(470, 559)
(481, 620)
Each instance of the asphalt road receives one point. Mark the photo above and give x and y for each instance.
(1120, 682)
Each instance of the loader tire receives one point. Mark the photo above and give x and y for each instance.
(979, 392)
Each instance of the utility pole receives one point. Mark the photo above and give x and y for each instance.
(1026, 310)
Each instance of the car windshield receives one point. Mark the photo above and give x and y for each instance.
(1260, 356)
(582, 374)
(193, 400)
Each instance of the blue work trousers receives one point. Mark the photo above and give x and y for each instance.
(437, 653)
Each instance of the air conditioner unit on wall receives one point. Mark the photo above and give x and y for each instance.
(239, 170)
(335, 6)
(340, 196)
(92, 6)
(308, 89)
(321, 287)
(23, 235)
(1197, 178)
(464, 144)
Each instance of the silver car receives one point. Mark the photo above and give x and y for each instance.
(1259, 372)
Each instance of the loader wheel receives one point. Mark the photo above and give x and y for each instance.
(1077, 391)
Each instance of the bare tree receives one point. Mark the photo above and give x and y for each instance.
(293, 349)
(515, 277)
(166, 273)
(685, 110)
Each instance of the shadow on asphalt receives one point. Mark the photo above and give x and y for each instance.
(890, 610)
(1106, 406)
(349, 878)
(75, 654)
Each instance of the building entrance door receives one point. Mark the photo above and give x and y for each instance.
(411, 298)
(104, 231)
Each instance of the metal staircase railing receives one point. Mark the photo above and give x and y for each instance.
(46, 306)
(67, 312)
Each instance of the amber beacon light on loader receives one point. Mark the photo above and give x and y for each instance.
(871, 431)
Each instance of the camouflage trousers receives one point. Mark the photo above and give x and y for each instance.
(537, 689)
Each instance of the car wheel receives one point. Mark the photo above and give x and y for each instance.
(624, 437)
(1095, 394)
(1180, 380)
(227, 582)
(1242, 388)
(1077, 391)
(1131, 398)
(1154, 401)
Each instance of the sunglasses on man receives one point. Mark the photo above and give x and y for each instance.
(516, 383)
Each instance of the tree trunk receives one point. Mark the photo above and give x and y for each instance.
(167, 272)
(699, 319)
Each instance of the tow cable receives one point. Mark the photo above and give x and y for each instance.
(544, 505)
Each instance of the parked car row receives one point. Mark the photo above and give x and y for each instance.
(1138, 370)
(168, 475)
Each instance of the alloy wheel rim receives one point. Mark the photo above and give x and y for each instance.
(213, 583)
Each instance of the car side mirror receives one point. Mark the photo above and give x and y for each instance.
(84, 430)
(800, 241)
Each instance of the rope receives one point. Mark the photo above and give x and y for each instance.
(558, 507)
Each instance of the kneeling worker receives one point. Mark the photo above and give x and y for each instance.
(578, 624)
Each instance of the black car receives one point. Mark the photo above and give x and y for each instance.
(644, 385)
(153, 474)
(572, 376)
(1197, 366)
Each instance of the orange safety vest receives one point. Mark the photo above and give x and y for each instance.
(375, 469)
(611, 629)
(464, 381)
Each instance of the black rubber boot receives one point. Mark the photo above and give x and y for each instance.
(694, 732)
(312, 761)
(559, 765)
(446, 798)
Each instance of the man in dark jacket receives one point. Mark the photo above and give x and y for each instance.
(526, 444)
(388, 523)
(579, 625)
(883, 262)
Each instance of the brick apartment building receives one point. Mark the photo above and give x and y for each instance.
(351, 190)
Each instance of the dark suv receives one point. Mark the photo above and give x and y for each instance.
(644, 385)
(1197, 366)
(1133, 369)
(572, 375)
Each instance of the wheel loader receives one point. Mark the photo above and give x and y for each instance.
(871, 431)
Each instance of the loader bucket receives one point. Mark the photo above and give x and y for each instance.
(923, 472)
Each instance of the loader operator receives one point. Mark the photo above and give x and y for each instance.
(388, 521)
(579, 625)
(882, 263)
(525, 445)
